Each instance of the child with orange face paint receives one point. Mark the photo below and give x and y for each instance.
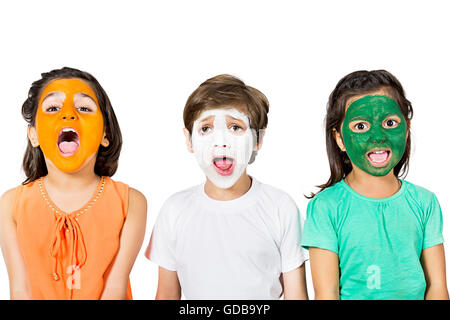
(70, 231)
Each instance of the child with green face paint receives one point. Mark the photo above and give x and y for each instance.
(370, 234)
(374, 133)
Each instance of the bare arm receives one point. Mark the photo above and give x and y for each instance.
(168, 285)
(295, 284)
(132, 235)
(433, 264)
(325, 273)
(18, 279)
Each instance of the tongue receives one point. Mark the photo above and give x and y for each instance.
(68, 146)
(378, 157)
(223, 164)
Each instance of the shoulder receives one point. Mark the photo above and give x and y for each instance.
(327, 203)
(182, 198)
(416, 190)
(417, 193)
(329, 197)
(136, 206)
(124, 190)
(275, 200)
(179, 202)
(7, 201)
(118, 186)
(273, 194)
(136, 199)
(16, 191)
(7, 198)
(185, 193)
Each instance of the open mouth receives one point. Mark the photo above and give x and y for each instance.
(379, 157)
(223, 165)
(68, 141)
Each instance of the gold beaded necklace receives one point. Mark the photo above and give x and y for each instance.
(59, 211)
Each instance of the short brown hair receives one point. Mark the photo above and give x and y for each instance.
(226, 91)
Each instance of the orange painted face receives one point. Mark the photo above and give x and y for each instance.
(69, 123)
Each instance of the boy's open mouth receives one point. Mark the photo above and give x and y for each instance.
(68, 141)
(223, 165)
(379, 157)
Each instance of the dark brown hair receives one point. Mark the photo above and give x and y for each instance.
(225, 91)
(353, 84)
(107, 157)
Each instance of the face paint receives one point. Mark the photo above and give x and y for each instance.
(374, 134)
(223, 143)
(69, 123)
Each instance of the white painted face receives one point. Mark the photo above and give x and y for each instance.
(223, 143)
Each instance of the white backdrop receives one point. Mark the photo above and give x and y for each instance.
(149, 56)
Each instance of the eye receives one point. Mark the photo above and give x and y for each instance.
(205, 129)
(390, 123)
(84, 109)
(235, 128)
(52, 109)
(360, 126)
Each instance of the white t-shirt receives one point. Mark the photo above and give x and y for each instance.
(233, 249)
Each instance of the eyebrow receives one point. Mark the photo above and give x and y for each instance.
(51, 94)
(207, 118)
(359, 118)
(85, 95)
(233, 118)
(392, 114)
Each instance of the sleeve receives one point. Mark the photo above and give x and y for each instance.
(161, 249)
(433, 224)
(292, 253)
(319, 230)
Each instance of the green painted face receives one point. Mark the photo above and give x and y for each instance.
(374, 134)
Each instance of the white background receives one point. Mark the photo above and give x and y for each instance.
(149, 56)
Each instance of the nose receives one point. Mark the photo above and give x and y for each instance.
(69, 114)
(379, 136)
(220, 140)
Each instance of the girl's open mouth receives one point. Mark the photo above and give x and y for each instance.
(68, 141)
(379, 157)
(223, 165)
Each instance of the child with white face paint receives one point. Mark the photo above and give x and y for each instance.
(223, 144)
(231, 237)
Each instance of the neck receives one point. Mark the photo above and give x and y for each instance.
(237, 190)
(70, 182)
(373, 186)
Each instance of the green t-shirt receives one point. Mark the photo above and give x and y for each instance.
(378, 241)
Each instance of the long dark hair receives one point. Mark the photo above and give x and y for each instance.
(353, 84)
(107, 157)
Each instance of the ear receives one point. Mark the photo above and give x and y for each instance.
(105, 141)
(408, 128)
(188, 140)
(260, 136)
(339, 140)
(32, 136)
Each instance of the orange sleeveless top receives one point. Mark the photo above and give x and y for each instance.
(68, 254)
